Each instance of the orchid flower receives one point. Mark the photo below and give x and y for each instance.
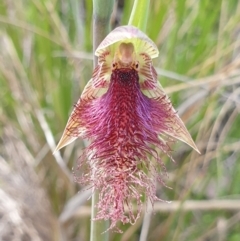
(129, 121)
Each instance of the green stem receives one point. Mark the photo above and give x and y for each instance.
(101, 27)
(98, 227)
(102, 11)
(139, 14)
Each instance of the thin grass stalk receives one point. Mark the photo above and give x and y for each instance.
(101, 27)
(139, 14)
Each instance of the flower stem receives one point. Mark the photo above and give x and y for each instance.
(102, 11)
(139, 14)
(98, 227)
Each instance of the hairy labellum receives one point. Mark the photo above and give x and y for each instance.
(123, 126)
(129, 120)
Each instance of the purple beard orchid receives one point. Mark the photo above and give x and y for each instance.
(129, 120)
